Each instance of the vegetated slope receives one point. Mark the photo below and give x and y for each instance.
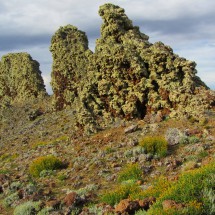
(92, 166)
(152, 150)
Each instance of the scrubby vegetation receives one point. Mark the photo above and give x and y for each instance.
(127, 179)
(190, 190)
(130, 172)
(192, 193)
(44, 164)
(27, 208)
(122, 191)
(155, 145)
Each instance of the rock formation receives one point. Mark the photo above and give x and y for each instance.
(117, 73)
(126, 77)
(70, 52)
(20, 79)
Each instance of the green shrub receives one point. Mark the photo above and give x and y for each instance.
(95, 209)
(44, 163)
(5, 171)
(86, 190)
(156, 189)
(202, 154)
(27, 208)
(121, 192)
(30, 188)
(155, 145)
(192, 209)
(127, 177)
(193, 189)
(130, 172)
(16, 185)
(11, 199)
(189, 140)
(62, 177)
(209, 195)
(184, 140)
(141, 212)
(45, 211)
(193, 139)
(109, 150)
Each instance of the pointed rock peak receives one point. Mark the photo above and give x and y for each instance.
(113, 14)
(115, 20)
(127, 77)
(117, 27)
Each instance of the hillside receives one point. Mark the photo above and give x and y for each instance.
(92, 163)
(129, 129)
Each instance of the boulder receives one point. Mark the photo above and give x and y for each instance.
(127, 206)
(171, 204)
(70, 199)
(147, 202)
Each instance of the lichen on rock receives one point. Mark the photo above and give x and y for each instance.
(20, 79)
(175, 88)
(69, 47)
(117, 74)
(132, 78)
(127, 76)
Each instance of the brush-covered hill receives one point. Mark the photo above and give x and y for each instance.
(129, 129)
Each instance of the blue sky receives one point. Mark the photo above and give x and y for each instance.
(188, 26)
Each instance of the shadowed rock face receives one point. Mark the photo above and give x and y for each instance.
(70, 52)
(126, 77)
(20, 79)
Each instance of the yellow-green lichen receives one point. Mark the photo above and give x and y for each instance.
(20, 79)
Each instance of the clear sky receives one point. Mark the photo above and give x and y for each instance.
(188, 26)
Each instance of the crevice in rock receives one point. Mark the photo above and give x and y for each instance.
(156, 86)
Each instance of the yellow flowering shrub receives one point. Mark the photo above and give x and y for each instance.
(130, 172)
(155, 145)
(122, 191)
(49, 162)
(189, 190)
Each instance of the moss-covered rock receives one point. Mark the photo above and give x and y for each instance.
(174, 86)
(118, 76)
(69, 47)
(130, 77)
(20, 79)
(127, 76)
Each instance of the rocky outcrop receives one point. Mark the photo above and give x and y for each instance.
(69, 47)
(127, 76)
(20, 79)
(117, 74)
(133, 78)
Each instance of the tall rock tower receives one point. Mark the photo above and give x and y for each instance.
(69, 47)
(118, 73)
